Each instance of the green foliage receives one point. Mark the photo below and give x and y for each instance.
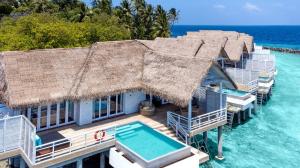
(105, 6)
(5, 9)
(144, 21)
(34, 31)
(32, 24)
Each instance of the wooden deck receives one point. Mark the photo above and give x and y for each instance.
(158, 122)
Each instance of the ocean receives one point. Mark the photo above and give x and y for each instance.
(271, 138)
(275, 36)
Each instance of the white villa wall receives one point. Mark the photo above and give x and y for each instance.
(85, 112)
(4, 110)
(132, 101)
(213, 101)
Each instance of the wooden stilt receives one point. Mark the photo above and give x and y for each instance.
(239, 117)
(102, 160)
(220, 147)
(205, 137)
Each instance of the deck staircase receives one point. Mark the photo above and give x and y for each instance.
(260, 99)
(167, 131)
(201, 145)
(230, 117)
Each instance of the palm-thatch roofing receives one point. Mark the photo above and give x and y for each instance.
(235, 45)
(52, 75)
(170, 68)
(200, 48)
(249, 41)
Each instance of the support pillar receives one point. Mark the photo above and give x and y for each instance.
(79, 163)
(102, 160)
(244, 115)
(239, 117)
(250, 112)
(205, 137)
(151, 98)
(22, 163)
(190, 115)
(220, 147)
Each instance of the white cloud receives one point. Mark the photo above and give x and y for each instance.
(251, 7)
(219, 6)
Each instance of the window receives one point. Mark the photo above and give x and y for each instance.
(53, 114)
(24, 112)
(43, 119)
(120, 103)
(113, 105)
(33, 118)
(71, 111)
(62, 113)
(104, 107)
(96, 108)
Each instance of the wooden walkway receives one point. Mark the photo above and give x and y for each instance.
(158, 122)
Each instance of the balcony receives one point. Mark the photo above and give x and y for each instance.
(71, 141)
(185, 128)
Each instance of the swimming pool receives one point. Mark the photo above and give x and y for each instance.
(236, 93)
(146, 142)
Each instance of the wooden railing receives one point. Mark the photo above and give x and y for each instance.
(173, 120)
(181, 124)
(69, 145)
(18, 133)
(253, 86)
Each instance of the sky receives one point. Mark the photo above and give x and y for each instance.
(233, 12)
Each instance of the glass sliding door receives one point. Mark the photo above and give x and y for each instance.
(62, 113)
(43, 117)
(34, 115)
(71, 111)
(113, 105)
(119, 103)
(53, 115)
(103, 107)
(100, 108)
(96, 109)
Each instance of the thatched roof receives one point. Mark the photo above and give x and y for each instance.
(173, 76)
(52, 75)
(207, 49)
(168, 67)
(249, 41)
(235, 44)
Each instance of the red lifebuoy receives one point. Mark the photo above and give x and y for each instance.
(102, 135)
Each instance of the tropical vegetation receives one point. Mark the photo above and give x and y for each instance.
(32, 24)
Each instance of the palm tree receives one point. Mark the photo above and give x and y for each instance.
(105, 6)
(173, 15)
(124, 12)
(148, 21)
(139, 19)
(161, 26)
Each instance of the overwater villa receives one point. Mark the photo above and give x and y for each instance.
(119, 104)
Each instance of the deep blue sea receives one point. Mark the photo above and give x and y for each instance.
(271, 138)
(276, 36)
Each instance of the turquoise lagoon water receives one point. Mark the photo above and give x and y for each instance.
(272, 137)
(234, 92)
(146, 142)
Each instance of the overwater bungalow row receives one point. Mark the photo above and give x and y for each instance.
(97, 105)
(66, 104)
(246, 61)
(243, 100)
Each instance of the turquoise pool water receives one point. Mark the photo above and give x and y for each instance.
(234, 92)
(271, 139)
(146, 142)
